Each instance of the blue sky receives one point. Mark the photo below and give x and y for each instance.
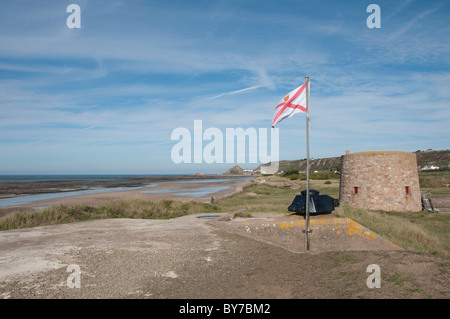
(105, 98)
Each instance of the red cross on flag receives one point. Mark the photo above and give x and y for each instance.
(292, 103)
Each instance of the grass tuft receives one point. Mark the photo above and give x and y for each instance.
(420, 232)
(133, 208)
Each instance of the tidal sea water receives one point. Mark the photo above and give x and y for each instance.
(55, 178)
(28, 199)
(195, 192)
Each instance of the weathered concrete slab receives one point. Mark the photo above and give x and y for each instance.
(30, 250)
(328, 233)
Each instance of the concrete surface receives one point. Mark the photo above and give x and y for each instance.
(328, 233)
(192, 257)
(24, 251)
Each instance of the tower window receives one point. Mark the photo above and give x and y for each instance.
(407, 190)
(355, 190)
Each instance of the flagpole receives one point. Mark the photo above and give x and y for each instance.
(307, 163)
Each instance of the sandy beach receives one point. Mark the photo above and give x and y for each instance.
(184, 188)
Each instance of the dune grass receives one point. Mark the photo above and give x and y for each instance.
(435, 182)
(419, 232)
(274, 199)
(258, 198)
(132, 208)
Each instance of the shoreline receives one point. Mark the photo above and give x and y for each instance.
(149, 188)
(14, 189)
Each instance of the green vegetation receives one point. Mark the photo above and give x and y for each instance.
(273, 199)
(314, 176)
(242, 215)
(294, 174)
(291, 172)
(436, 181)
(332, 164)
(321, 165)
(133, 208)
(438, 158)
(419, 232)
(259, 198)
(235, 170)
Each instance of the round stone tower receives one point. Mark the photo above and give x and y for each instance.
(387, 181)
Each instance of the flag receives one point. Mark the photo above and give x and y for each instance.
(292, 103)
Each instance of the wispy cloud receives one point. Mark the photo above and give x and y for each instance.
(415, 22)
(115, 89)
(232, 92)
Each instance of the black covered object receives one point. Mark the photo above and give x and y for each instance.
(318, 204)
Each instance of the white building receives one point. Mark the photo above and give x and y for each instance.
(429, 167)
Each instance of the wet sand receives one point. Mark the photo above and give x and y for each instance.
(28, 188)
(160, 184)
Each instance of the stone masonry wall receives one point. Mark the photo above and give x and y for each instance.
(386, 181)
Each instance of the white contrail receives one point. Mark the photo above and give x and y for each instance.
(233, 92)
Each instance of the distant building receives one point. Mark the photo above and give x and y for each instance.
(267, 170)
(429, 167)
